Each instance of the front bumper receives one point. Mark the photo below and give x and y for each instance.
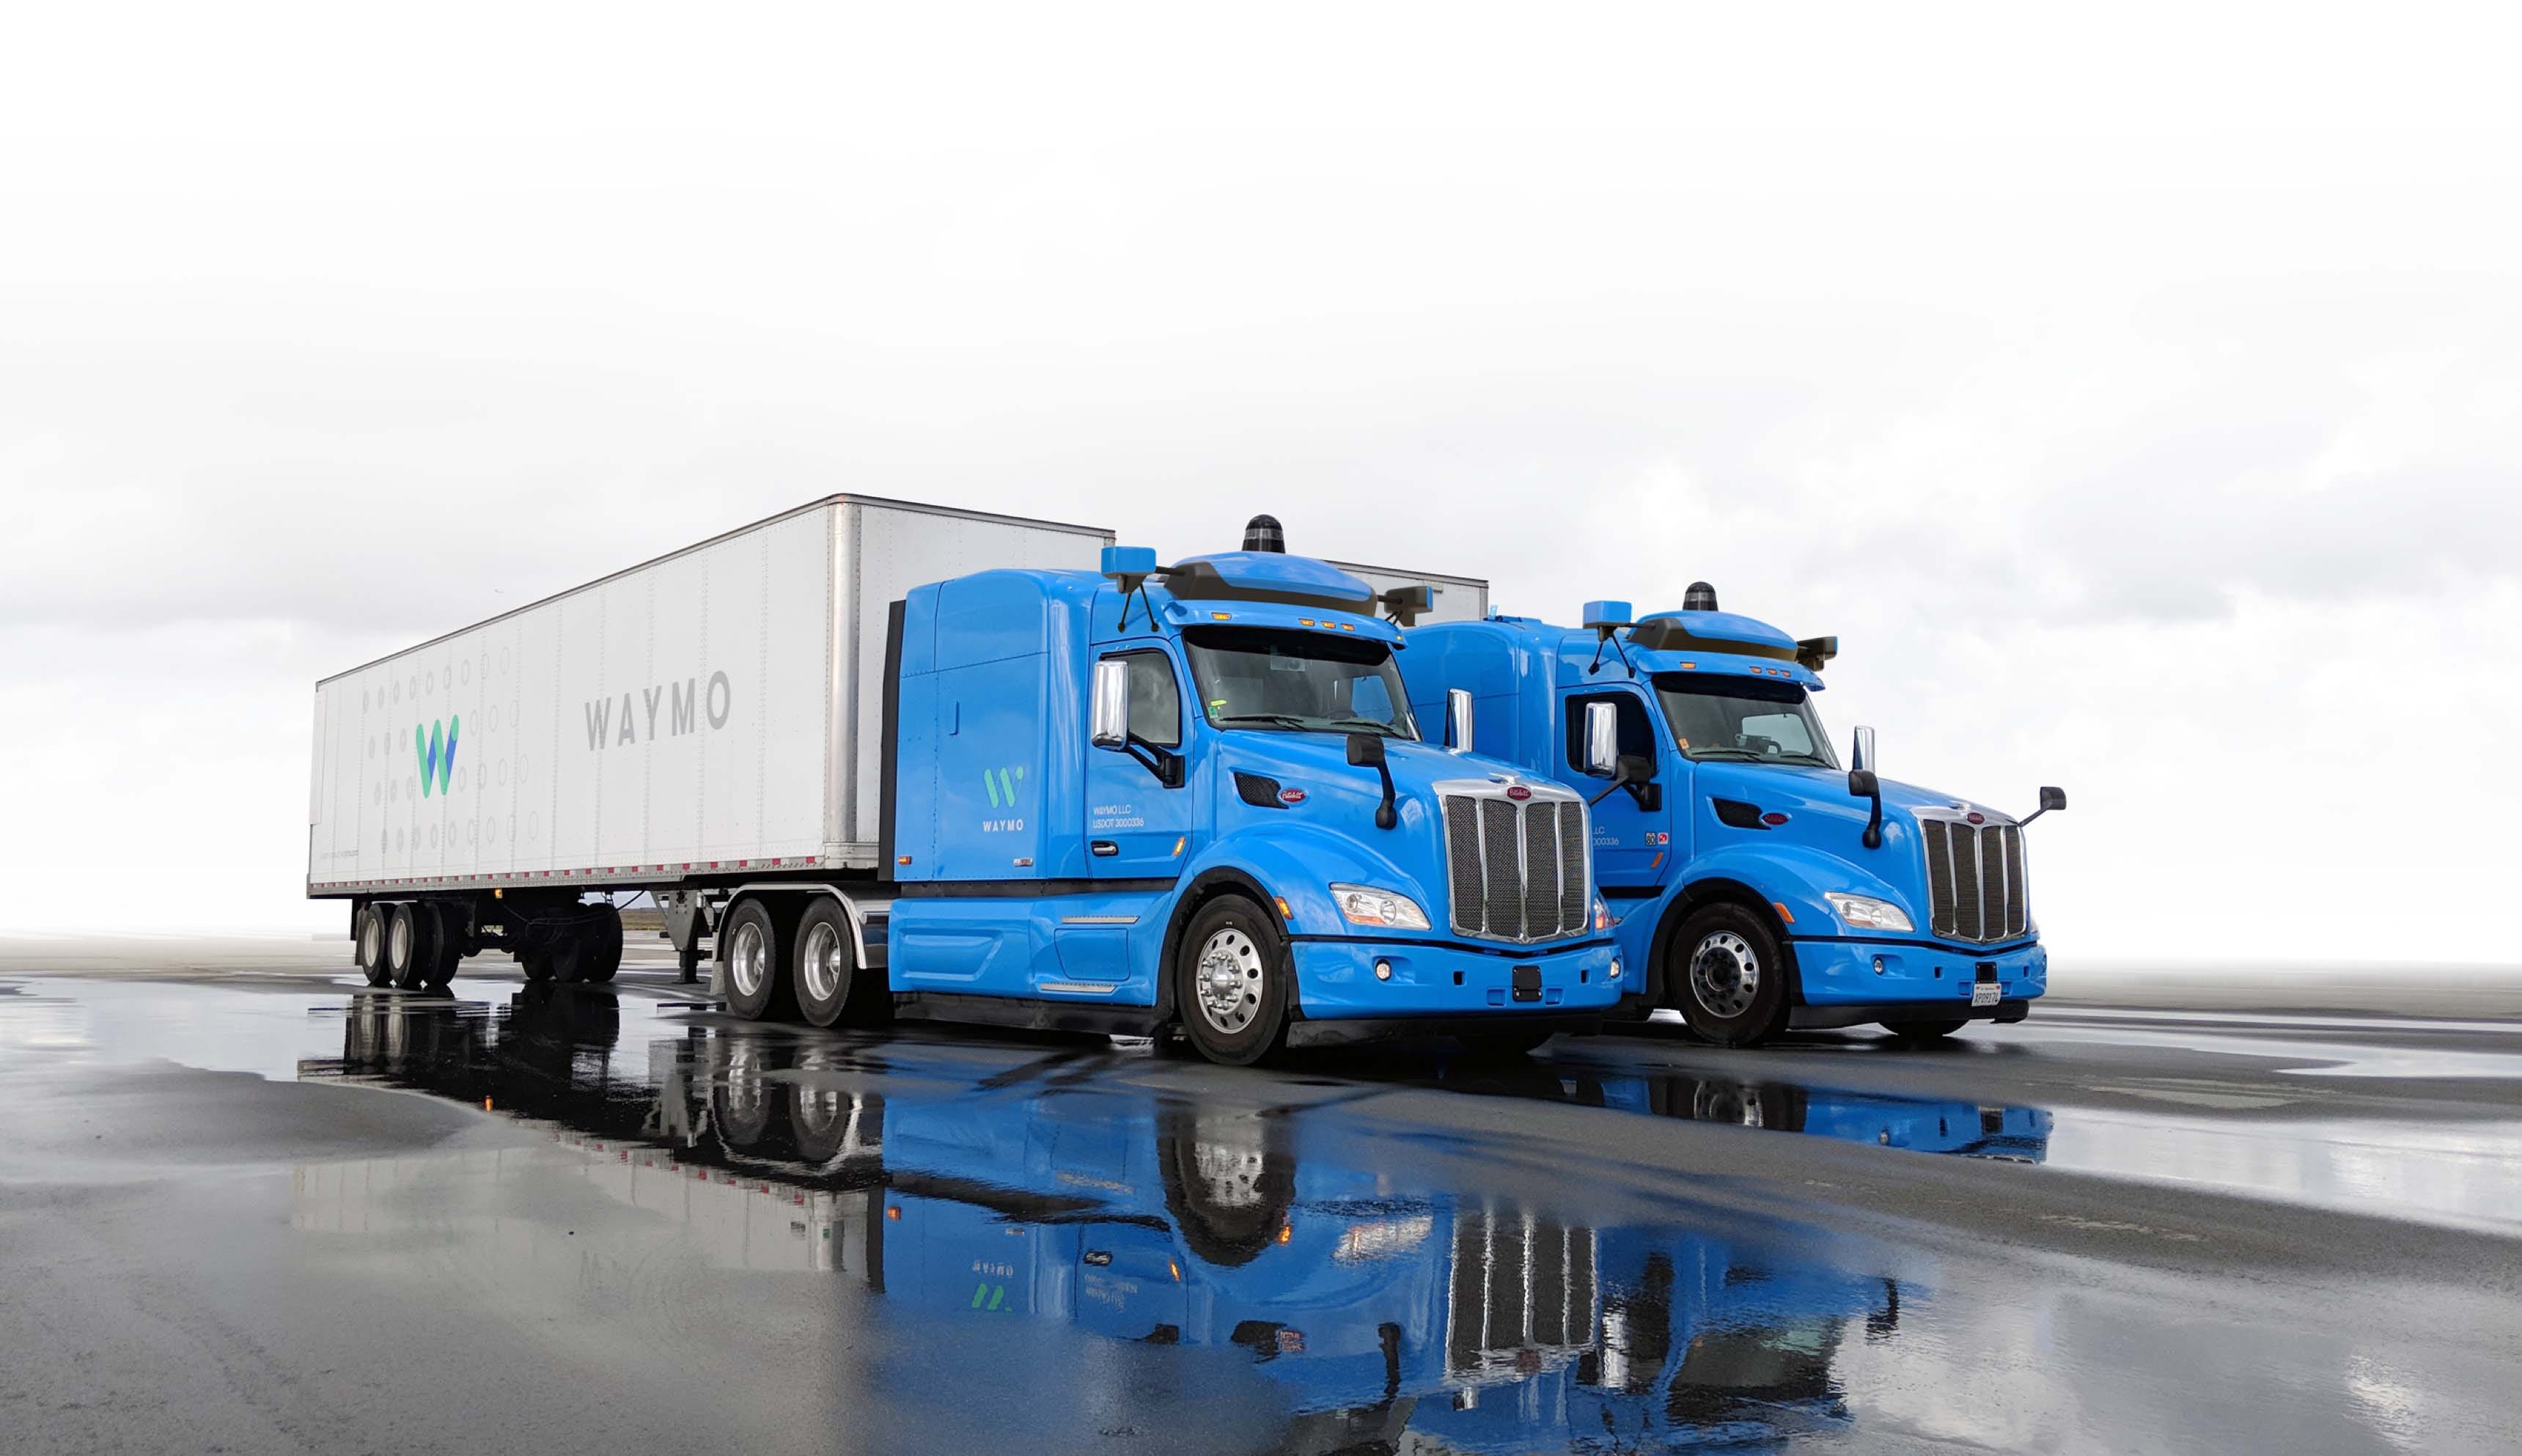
(1336, 979)
(1924, 978)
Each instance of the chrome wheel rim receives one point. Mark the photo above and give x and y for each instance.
(1230, 981)
(750, 966)
(1724, 974)
(398, 940)
(369, 938)
(821, 965)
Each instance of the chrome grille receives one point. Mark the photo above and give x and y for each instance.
(1575, 887)
(1463, 873)
(1519, 872)
(1974, 879)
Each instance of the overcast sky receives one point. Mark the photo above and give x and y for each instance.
(2138, 395)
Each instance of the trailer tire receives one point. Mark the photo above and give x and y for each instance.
(599, 937)
(1232, 982)
(445, 945)
(410, 944)
(825, 958)
(537, 966)
(368, 946)
(1728, 976)
(1926, 1033)
(758, 980)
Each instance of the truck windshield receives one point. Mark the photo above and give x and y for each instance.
(1263, 677)
(1743, 719)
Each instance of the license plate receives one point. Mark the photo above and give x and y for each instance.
(1527, 983)
(1986, 993)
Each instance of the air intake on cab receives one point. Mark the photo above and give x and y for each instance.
(1700, 597)
(1262, 534)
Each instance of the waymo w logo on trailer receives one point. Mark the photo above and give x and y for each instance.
(437, 753)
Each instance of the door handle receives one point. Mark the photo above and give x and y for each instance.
(1102, 848)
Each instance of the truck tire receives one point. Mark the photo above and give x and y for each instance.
(537, 966)
(410, 947)
(1231, 982)
(599, 936)
(1728, 976)
(758, 975)
(827, 961)
(1926, 1033)
(368, 946)
(445, 943)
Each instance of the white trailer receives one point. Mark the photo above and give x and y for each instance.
(706, 718)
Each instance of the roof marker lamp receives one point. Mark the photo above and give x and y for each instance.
(1605, 619)
(1129, 567)
(1381, 909)
(1865, 913)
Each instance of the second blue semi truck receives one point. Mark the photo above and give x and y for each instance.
(1759, 883)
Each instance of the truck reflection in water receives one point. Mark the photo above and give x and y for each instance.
(960, 1186)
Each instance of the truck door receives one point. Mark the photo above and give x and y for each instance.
(1136, 825)
(1632, 843)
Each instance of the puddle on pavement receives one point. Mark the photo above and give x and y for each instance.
(989, 1185)
(1016, 1236)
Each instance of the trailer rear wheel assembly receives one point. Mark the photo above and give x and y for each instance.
(1729, 975)
(1231, 982)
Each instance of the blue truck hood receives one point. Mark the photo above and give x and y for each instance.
(1821, 793)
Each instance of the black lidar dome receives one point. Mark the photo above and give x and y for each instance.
(1700, 597)
(1262, 534)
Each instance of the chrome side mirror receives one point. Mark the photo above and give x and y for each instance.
(1111, 719)
(1602, 738)
(1862, 756)
(1458, 720)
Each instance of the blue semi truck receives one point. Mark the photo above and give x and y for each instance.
(1758, 884)
(1197, 796)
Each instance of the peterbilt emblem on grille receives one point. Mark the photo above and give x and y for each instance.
(1975, 816)
(1518, 792)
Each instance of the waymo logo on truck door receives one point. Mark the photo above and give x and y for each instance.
(683, 705)
(437, 753)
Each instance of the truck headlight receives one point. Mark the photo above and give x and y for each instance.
(1364, 904)
(1865, 913)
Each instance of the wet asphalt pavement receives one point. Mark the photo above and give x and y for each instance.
(249, 1205)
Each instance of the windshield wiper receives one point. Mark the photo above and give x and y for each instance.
(1390, 731)
(1287, 719)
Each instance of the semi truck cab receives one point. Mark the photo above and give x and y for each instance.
(1198, 794)
(1759, 882)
